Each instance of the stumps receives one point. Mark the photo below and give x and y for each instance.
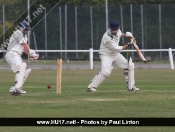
(59, 76)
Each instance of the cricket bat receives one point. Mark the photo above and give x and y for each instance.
(138, 51)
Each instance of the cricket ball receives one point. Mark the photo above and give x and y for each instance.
(48, 86)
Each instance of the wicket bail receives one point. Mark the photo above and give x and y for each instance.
(59, 75)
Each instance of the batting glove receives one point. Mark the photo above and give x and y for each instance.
(33, 55)
(128, 34)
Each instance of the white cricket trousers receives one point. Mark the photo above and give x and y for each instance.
(111, 60)
(14, 60)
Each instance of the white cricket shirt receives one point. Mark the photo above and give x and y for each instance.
(15, 42)
(110, 43)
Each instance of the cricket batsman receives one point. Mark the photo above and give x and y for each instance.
(16, 46)
(110, 55)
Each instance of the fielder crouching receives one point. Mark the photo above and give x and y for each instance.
(110, 55)
(16, 46)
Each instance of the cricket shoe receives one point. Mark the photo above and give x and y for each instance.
(16, 92)
(91, 89)
(133, 88)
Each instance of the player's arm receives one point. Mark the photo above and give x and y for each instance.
(127, 45)
(122, 35)
(31, 53)
(26, 47)
(113, 46)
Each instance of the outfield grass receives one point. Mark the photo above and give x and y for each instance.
(156, 98)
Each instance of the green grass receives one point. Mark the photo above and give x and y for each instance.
(156, 98)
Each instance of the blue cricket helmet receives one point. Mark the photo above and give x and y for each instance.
(114, 25)
(24, 25)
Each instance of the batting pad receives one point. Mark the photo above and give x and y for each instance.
(26, 74)
(97, 81)
(131, 80)
(20, 76)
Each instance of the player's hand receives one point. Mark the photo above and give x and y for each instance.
(131, 42)
(33, 55)
(35, 58)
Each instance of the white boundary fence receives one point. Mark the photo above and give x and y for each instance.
(91, 51)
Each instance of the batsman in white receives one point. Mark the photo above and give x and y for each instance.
(110, 55)
(16, 46)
